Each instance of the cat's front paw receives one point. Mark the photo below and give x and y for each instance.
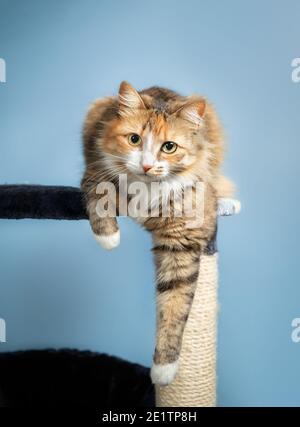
(108, 241)
(228, 206)
(164, 374)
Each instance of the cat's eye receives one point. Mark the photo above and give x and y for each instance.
(169, 147)
(134, 139)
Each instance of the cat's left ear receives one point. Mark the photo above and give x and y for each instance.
(129, 99)
(193, 111)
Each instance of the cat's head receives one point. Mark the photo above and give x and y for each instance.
(156, 138)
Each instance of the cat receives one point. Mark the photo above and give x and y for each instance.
(157, 135)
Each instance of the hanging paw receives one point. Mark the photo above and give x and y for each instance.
(164, 374)
(108, 241)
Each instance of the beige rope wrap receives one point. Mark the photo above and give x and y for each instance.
(195, 382)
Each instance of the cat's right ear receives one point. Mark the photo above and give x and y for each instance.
(193, 111)
(129, 99)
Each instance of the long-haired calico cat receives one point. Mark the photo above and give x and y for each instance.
(158, 135)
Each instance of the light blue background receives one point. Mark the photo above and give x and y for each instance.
(58, 288)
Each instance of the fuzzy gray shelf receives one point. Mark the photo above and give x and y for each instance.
(60, 202)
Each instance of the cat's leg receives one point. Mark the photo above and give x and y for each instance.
(106, 230)
(177, 274)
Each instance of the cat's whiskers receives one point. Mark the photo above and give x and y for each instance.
(109, 175)
(105, 170)
(122, 159)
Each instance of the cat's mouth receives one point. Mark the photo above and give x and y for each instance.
(147, 177)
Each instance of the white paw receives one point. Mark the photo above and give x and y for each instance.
(164, 374)
(228, 206)
(109, 241)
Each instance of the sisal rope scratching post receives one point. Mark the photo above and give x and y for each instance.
(195, 382)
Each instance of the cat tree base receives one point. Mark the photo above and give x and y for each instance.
(195, 383)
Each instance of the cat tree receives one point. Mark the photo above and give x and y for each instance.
(195, 382)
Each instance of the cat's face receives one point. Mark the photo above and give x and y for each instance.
(151, 144)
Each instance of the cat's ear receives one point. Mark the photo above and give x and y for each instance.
(129, 99)
(192, 111)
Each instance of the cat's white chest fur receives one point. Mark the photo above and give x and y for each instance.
(153, 198)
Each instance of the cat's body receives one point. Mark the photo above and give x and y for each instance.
(150, 136)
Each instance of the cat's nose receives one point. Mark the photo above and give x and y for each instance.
(147, 168)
